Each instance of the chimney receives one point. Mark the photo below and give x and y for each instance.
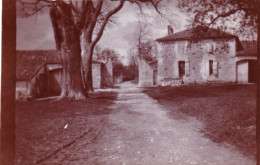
(170, 30)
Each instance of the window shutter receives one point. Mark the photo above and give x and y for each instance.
(187, 68)
(215, 68)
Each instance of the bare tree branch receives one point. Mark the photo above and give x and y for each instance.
(223, 15)
(101, 30)
(33, 7)
(94, 19)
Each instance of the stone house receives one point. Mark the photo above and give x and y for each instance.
(200, 55)
(38, 73)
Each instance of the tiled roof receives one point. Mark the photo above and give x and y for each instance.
(29, 62)
(249, 48)
(197, 33)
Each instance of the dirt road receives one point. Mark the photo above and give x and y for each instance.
(140, 132)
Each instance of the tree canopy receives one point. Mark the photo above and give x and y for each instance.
(239, 16)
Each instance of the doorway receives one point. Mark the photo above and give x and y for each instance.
(155, 73)
(181, 65)
(252, 72)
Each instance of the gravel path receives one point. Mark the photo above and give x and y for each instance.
(140, 132)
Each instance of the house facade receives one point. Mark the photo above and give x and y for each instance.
(203, 55)
(38, 74)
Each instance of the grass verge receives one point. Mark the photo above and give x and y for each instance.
(228, 111)
(45, 126)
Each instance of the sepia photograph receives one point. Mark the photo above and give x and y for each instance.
(130, 82)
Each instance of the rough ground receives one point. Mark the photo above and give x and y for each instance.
(138, 131)
(227, 111)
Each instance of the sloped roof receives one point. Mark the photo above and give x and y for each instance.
(196, 33)
(249, 48)
(30, 62)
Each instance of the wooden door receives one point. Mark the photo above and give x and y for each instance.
(181, 68)
(155, 72)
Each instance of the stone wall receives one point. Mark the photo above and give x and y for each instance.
(96, 75)
(107, 74)
(109, 68)
(22, 90)
(145, 73)
(29, 88)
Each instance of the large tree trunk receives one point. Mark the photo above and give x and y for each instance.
(86, 55)
(73, 24)
(67, 39)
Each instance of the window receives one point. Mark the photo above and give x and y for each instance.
(210, 67)
(187, 68)
(215, 68)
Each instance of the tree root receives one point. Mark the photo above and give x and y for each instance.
(72, 96)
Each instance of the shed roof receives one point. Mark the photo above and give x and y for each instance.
(196, 33)
(29, 62)
(249, 48)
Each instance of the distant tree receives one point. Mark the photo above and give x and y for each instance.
(130, 71)
(101, 54)
(142, 36)
(118, 69)
(78, 26)
(105, 54)
(111, 54)
(142, 46)
(149, 51)
(132, 57)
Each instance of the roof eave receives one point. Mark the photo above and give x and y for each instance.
(193, 39)
(36, 71)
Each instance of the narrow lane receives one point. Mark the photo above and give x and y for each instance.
(140, 132)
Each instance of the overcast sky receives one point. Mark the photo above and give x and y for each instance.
(35, 32)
